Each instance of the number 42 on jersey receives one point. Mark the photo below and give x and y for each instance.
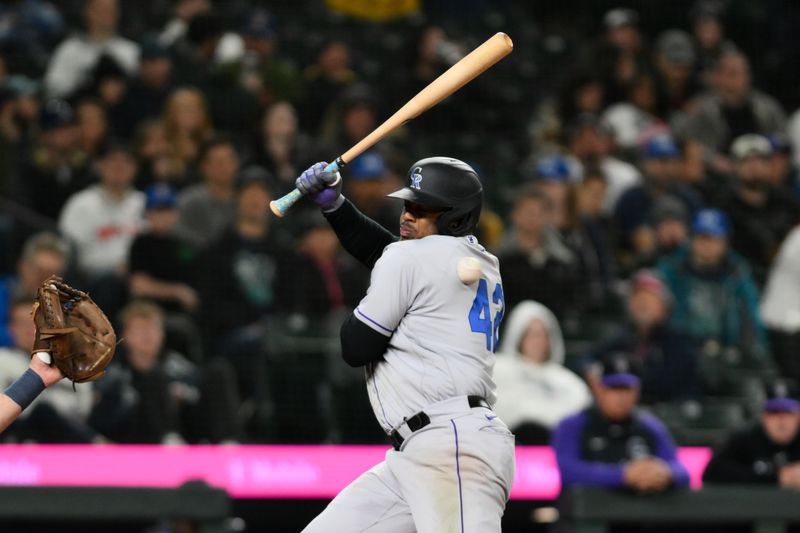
(480, 315)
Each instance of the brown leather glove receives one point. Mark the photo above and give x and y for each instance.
(73, 330)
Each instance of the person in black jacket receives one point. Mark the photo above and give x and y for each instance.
(667, 356)
(767, 452)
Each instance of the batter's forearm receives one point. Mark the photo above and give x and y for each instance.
(9, 411)
(361, 236)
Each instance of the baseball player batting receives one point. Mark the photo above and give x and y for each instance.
(426, 340)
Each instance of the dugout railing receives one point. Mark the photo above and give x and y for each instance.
(766, 509)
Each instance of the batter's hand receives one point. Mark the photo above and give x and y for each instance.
(324, 188)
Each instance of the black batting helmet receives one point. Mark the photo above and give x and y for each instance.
(450, 184)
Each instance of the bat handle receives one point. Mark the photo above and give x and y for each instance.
(281, 205)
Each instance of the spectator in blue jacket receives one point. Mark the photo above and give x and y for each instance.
(716, 298)
(613, 444)
(661, 165)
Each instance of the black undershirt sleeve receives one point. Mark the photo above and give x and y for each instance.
(361, 236)
(360, 343)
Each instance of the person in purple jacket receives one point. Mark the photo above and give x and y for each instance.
(614, 445)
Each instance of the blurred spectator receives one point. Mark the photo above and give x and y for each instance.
(660, 160)
(767, 452)
(589, 145)
(533, 250)
(176, 27)
(314, 279)
(666, 232)
(281, 148)
(621, 56)
(264, 71)
(323, 83)
(108, 82)
(156, 164)
(793, 132)
(159, 261)
(591, 239)
(238, 275)
(28, 31)
(193, 52)
(780, 307)
(716, 299)
(535, 391)
(709, 34)
(155, 395)
(43, 255)
(613, 444)
(187, 126)
(92, 125)
(367, 181)
(207, 208)
(135, 404)
(732, 108)
(59, 416)
(103, 219)
(666, 356)
(761, 214)
(583, 236)
(56, 168)
(74, 59)
(147, 92)
(674, 59)
(636, 117)
(20, 110)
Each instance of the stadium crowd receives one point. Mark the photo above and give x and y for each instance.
(641, 186)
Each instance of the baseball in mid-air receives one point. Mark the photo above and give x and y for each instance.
(469, 270)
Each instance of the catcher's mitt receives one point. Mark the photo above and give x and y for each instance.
(73, 330)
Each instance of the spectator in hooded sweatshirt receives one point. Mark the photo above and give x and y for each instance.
(535, 391)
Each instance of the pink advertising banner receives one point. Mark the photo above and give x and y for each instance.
(245, 471)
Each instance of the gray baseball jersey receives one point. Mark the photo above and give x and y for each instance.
(443, 332)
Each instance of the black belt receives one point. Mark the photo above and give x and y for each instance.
(420, 420)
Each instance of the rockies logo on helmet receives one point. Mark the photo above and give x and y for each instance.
(416, 178)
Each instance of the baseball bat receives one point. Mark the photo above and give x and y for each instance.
(467, 69)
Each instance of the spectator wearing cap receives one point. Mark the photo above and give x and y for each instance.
(55, 168)
(761, 214)
(732, 108)
(147, 92)
(367, 181)
(75, 58)
(584, 236)
(589, 150)
(768, 451)
(667, 231)
(207, 208)
(716, 298)
(661, 166)
(621, 56)
(160, 263)
(674, 59)
(666, 356)
(614, 445)
(237, 275)
(780, 307)
(708, 31)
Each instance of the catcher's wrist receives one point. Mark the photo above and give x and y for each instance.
(25, 389)
(336, 204)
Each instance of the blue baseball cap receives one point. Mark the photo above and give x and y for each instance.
(160, 196)
(661, 147)
(553, 168)
(711, 222)
(368, 166)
